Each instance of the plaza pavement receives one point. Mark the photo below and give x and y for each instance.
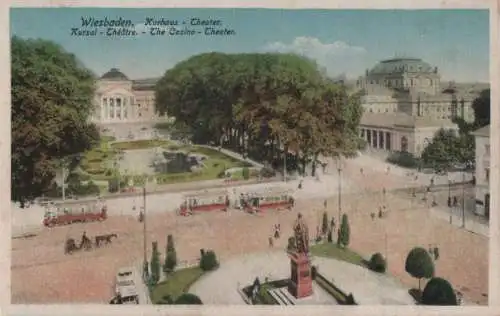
(369, 288)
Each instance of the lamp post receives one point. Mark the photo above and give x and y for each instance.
(463, 198)
(339, 170)
(449, 200)
(144, 220)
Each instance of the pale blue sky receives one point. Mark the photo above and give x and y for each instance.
(343, 41)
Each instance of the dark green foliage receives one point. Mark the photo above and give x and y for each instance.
(447, 148)
(330, 236)
(403, 159)
(439, 291)
(267, 172)
(165, 300)
(52, 98)
(170, 261)
(344, 232)
(208, 261)
(324, 223)
(377, 263)
(246, 173)
(170, 243)
(481, 106)
(155, 264)
(113, 185)
(188, 299)
(419, 264)
(274, 100)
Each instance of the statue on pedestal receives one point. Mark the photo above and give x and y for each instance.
(301, 234)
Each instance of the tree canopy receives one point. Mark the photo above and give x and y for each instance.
(419, 264)
(447, 148)
(481, 107)
(261, 104)
(52, 96)
(439, 291)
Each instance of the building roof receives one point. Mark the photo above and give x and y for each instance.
(114, 74)
(483, 131)
(391, 120)
(402, 65)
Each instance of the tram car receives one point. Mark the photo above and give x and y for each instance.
(272, 199)
(90, 212)
(204, 202)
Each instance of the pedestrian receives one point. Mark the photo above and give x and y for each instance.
(431, 250)
(325, 204)
(271, 242)
(361, 170)
(380, 212)
(436, 253)
(455, 201)
(449, 201)
(432, 181)
(388, 169)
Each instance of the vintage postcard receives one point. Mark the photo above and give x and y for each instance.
(167, 156)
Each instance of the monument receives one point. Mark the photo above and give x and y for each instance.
(300, 285)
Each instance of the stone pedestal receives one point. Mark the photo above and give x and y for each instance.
(300, 278)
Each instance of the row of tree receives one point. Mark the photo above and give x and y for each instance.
(262, 105)
(52, 96)
(448, 148)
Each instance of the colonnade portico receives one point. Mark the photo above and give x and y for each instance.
(377, 139)
(116, 108)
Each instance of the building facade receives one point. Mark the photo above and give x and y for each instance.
(121, 100)
(405, 105)
(482, 171)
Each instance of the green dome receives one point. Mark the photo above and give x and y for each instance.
(401, 65)
(114, 74)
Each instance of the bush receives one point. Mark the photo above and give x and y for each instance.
(439, 291)
(403, 159)
(419, 264)
(377, 263)
(113, 185)
(188, 299)
(267, 172)
(246, 173)
(344, 232)
(222, 174)
(170, 261)
(330, 236)
(208, 261)
(155, 263)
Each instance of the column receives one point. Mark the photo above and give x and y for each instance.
(121, 108)
(115, 107)
(374, 138)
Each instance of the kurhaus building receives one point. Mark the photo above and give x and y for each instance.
(121, 100)
(405, 104)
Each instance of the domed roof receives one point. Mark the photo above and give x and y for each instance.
(400, 65)
(114, 74)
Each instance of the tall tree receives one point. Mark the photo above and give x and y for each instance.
(263, 104)
(419, 264)
(481, 107)
(52, 95)
(448, 148)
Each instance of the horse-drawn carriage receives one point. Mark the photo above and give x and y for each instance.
(89, 212)
(86, 243)
(277, 199)
(204, 201)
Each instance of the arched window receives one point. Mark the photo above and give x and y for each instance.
(404, 144)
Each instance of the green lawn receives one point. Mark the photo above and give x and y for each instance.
(176, 284)
(331, 250)
(140, 144)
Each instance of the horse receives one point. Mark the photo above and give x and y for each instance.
(106, 239)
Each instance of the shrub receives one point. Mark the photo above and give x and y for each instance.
(170, 261)
(113, 185)
(188, 299)
(377, 263)
(439, 291)
(419, 264)
(403, 159)
(208, 261)
(330, 236)
(155, 263)
(324, 223)
(344, 232)
(222, 174)
(267, 172)
(246, 173)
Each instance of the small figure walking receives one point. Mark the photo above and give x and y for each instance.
(455, 201)
(271, 242)
(361, 170)
(388, 170)
(436, 253)
(325, 204)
